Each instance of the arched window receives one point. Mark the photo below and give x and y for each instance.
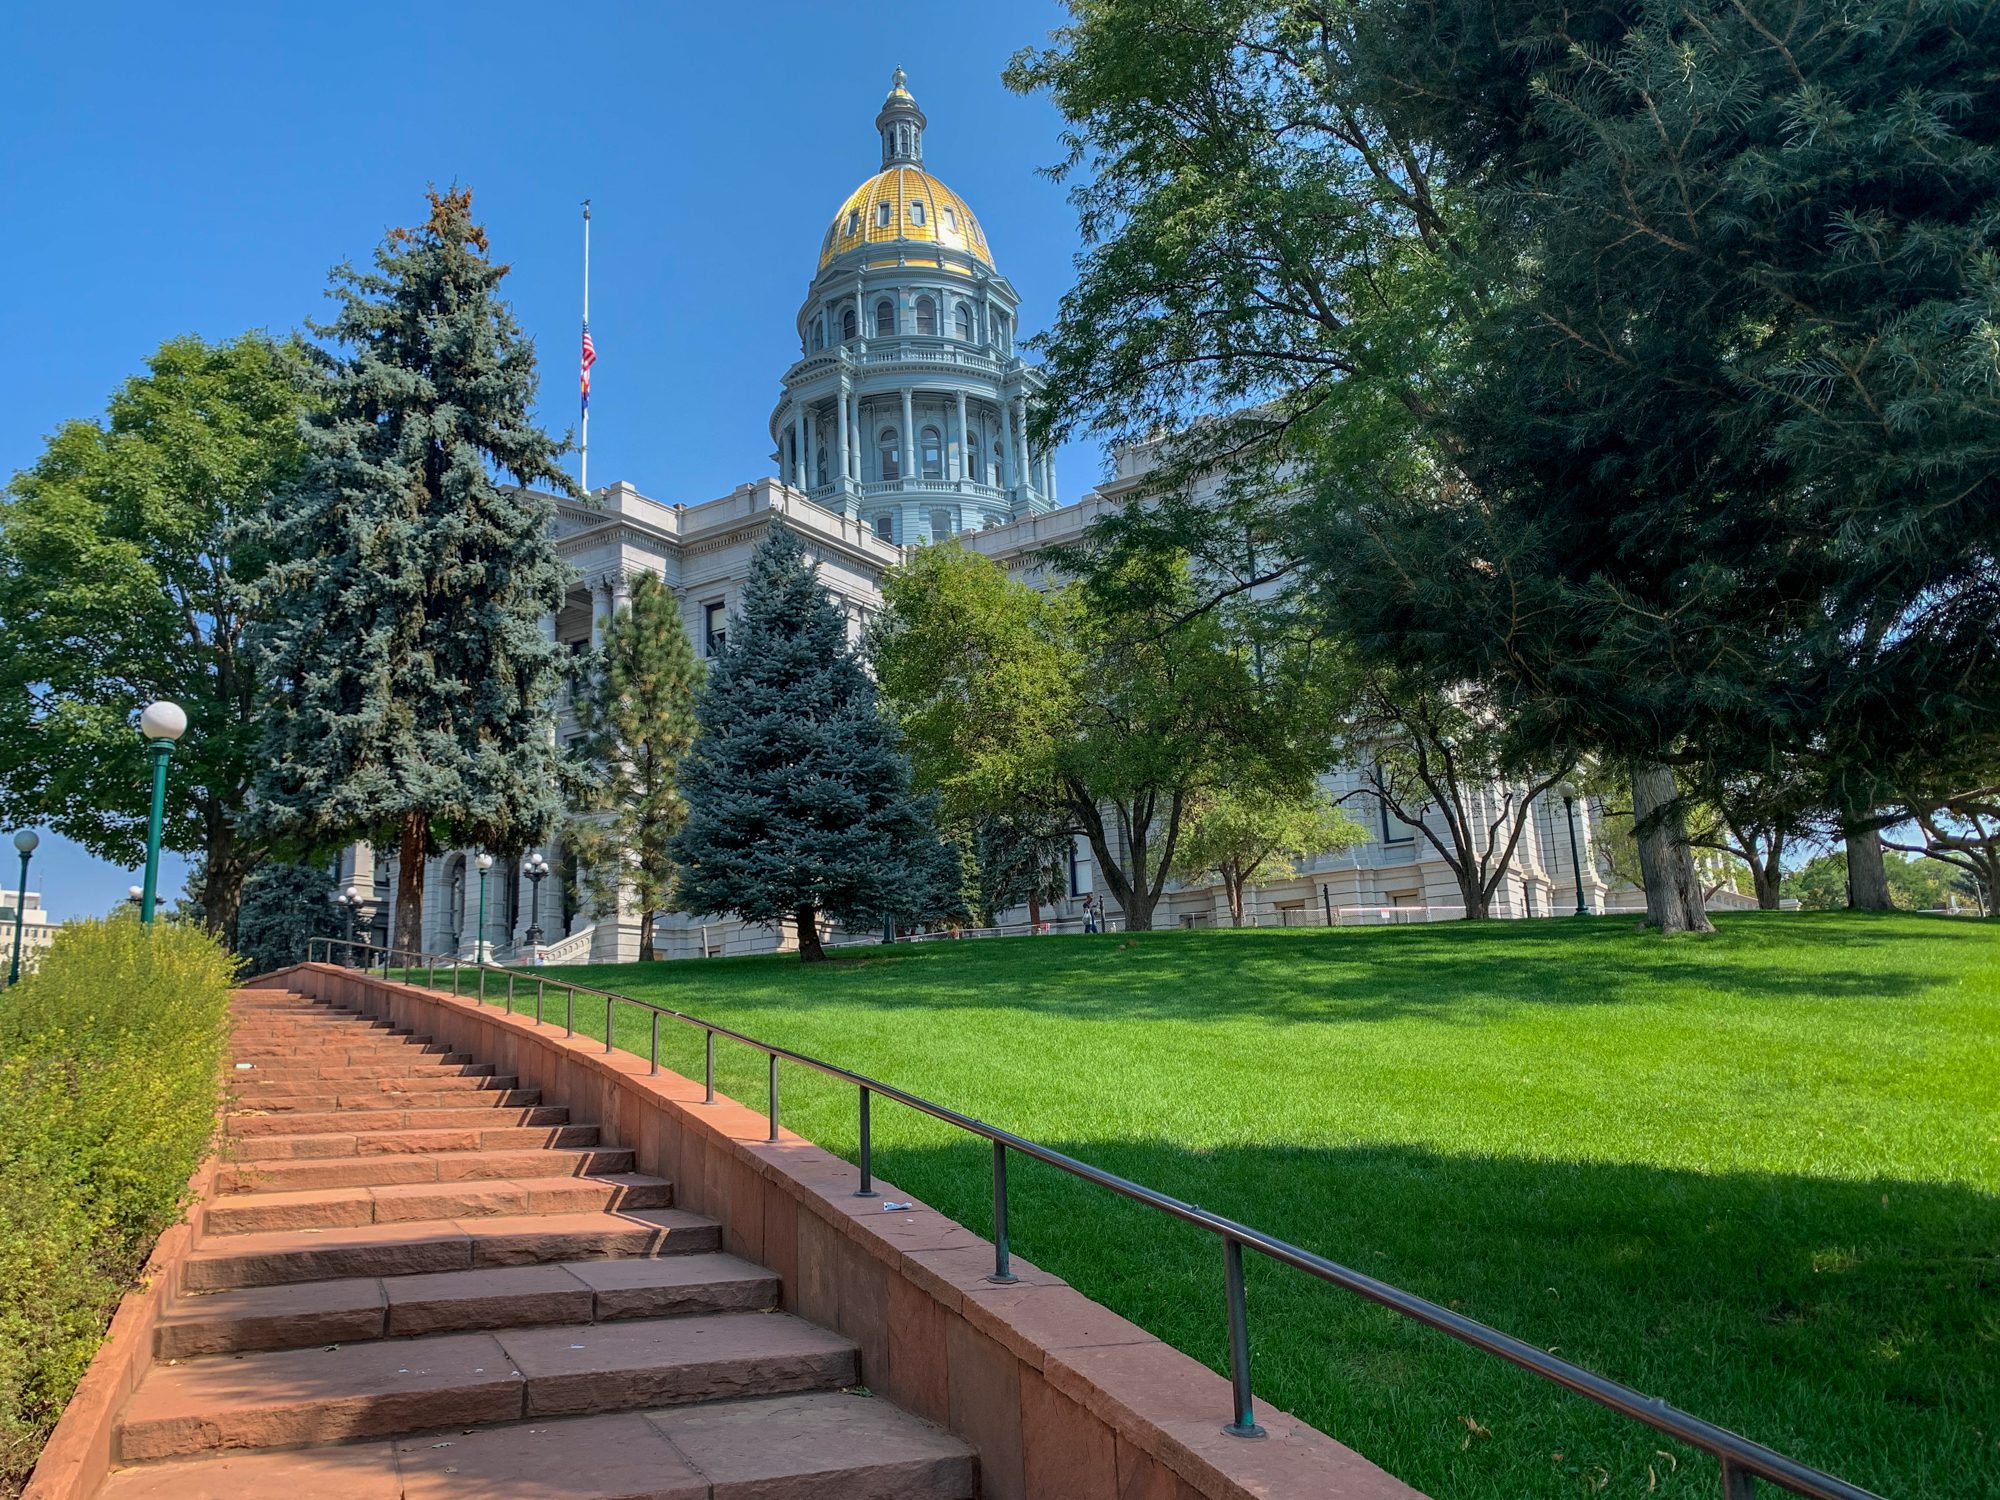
(885, 528)
(820, 469)
(916, 210)
(889, 448)
(948, 219)
(1000, 329)
(848, 325)
(931, 449)
(854, 221)
(963, 318)
(940, 525)
(885, 318)
(819, 333)
(972, 469)
(882, 212)
(926, 316)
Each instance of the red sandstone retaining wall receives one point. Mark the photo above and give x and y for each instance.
(77, 1455)
(1063, 1399)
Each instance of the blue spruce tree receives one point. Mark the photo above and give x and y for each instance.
(798, 795)
(411, 686)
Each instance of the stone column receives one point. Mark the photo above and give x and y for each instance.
(1027, 455)
(1010, 474)
(909, 437)
(801, 447)
(840, 431)
(958, 461)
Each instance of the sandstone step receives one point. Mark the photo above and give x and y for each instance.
(264, 1148)
(250, 1086)
(373, 1100)
(352, 1207)
(317, 1313)
(385, 1169)
(820, 1446)
(400, 1386)
(338, 1068)
(372, 1122)
(425, 1246)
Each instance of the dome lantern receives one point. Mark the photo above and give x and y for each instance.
(902, 126)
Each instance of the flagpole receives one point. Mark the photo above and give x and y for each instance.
(583, 447)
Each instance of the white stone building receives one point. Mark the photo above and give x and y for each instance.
(38, 928)
(903, 421)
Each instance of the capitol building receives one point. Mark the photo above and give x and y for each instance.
(903, 421)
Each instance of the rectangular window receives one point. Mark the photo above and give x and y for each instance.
(1079, 867)
(714, 627)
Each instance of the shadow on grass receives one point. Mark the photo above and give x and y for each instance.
(1463, 972)
(1854, 1325)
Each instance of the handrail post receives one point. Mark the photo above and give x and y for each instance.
(608, 1000)
(1244, 1424)
(774, 1096)
(569, 1012)
(482, 984)
(1003, 1274)
(541, 987)
(454, 976)
(1738, 1483)
(434, 973)
(653, 1055)
(510, 992)
(867, 1188)
(708, 1067)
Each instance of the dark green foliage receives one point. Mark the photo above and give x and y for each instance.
(798, 796)
(637, 718)
(411, 682)
(121, 581)
(1023, 860)
(110, 1084)
(283, 906)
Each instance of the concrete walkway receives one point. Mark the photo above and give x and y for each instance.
(419, 1280)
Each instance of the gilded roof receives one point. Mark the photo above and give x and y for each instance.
(943, 218)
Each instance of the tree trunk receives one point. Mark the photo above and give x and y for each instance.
(413, 846)
(1472, 891)
(1666, 863)
(646, 950)
(1867, 875)
(223, 873)
(806, 918)
(1232, 885)
(1767, 884)
(1035, 909)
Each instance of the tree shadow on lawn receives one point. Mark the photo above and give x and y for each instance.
(1854, 1325)
(1446, 972)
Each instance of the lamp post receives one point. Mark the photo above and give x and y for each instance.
(350, 907)
(1575, 865)
(25, 841)
(485, 863)
(162, 723)
(537, 870)
(132, 894)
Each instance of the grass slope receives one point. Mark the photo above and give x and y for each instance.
(1755, 1174)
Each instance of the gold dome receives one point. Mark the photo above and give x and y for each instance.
(920, 210)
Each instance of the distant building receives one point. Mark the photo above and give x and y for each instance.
(903, 421)
(38, 928)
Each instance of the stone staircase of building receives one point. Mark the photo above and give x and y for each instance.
(417, 1279)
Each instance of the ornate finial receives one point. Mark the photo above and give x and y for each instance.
(898, 79)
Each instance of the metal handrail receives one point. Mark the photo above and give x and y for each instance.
(1743, 1461)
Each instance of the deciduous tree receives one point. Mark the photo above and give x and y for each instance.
(1242, 837)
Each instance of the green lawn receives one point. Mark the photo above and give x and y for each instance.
(1757, 1174)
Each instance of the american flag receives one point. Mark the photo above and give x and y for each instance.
(589, 359)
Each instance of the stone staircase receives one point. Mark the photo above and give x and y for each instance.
(417, 1279)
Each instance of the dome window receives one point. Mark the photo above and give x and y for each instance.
(931, 448)
(882, 212)
(916, 211)
(940, 525)
(885, 528)
(889, 450)
(849, 325)
(962, 316)
(885, 318)
(854, 221)
(927, 316)
(972, 469)
(949, 219)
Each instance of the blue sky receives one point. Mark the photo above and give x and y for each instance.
(169, 169)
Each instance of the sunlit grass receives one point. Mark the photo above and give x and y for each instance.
(1756, 1174)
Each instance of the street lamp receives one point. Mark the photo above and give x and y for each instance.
(1575, 865)
(25, 841)
(132, 894)
(350, 907)
(485, 863)
(162, 723)
(537, 870)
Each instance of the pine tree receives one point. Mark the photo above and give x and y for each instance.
(411, 684)
(637, 718)
(799, 801)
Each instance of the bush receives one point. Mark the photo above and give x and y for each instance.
(284, 906)
(111, 1060)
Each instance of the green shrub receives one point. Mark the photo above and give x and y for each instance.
(110, 1081)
